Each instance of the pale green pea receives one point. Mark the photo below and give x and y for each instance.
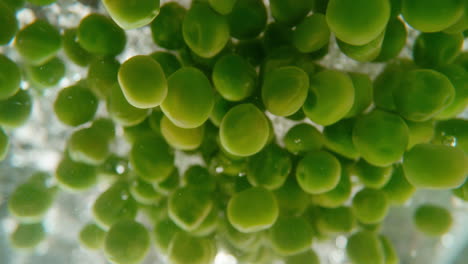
(91, 236)
(290, 235)
(121, 111)
(181, 138)
(27, 236)
(185, 249)
(363, 53)
(75, 176)
(130, 15)
(372, 176)
(318, 172)
(398, 189)
(370, 206)
(364, 247)
(432, 220)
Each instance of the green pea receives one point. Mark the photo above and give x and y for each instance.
(152, 159)
(237, 239)
(29, 202)
(318, 172)
(38, 42)
(99, 35)
(228, 164)
(163, 232)
(420, 132)
(41, 2)
(189, 206)
(10, 77)
(155, 212)
(91, 236)
(307, 257)
(143, 82)
(432, 220)
(113, 205)
(426, 16)
(113, 168)
(372, 176)
(336, 220)
(277, 35)
(247, 19)
(27, 236)
(391, 256)
(143, 129)
(102, 75)
(75, 176)
(144, 192)
(209, 225)
(380, 137)
(269, 168)
(48, 74)
(285, 90)
(311, 34)
(363, 53)
(363, 92)
(199, 177)
(239, 119)
(364, 247)
(298, 116)
(224, 7)
(181, 138)
(121, 111)
(188, 249)
(170, 184)
(220, 108)
(73, 50)
(394, 39)
(190, 98)
(458, 76)
(461, 24)
(290, 12)
(234, 78)
(370, 206)
(362, 29)
(252, 210)
(292, 200)
(303, 138)
(452, 132)
(4, 144)
(205, 31)
(127, 242)
(154, 120)
(16, 110)
(166, 28)
(330, 98)
(338, 196)
(338, 138)
(398, 189)
(168, 61)
(130, 15)
(75, 105)
(435, 166)
(290, 235)
(436, 49)
(251, 50)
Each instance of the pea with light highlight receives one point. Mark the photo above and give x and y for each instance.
(91, 236)
(129, 15)
(370, 206)
(47, 74)
(318, 172)
(99, 35)
(10, 77)
(433, 220)
(185, 248)
(303, 138)
(75, 176)
(372, 176)
(75, 105)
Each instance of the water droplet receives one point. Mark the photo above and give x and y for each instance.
(241, 174)
(120, 169)
(219, 169)
(449, 140)
(124, 196)
(297, 140)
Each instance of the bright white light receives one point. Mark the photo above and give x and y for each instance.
(224, 258)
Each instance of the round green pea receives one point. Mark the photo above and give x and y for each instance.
(99, 35)
(102, 75)
(127, 242)
(223, 7)
(205, 31)
(144, 192)
(29, 202)
(391, 256)
(185, 249)
(166, 28)
(307, 257)
(336, 220)
(318, 172)
(16, 110)
(435, 166)
(311, 34)
(292, 200)
(291, 235)
(199, 177)
(363, 53)
(370, 206)
(427, 15)
(303, 138)
(129, 15)
(4, 144)
(364, 247)
(394, 40)
(181, 138)
(75, 105)
(121, 111)
(290, 12)
(437, 49)
(362, 29)
(73, 50)
(27, 236)
(372, 176)
(143, 82)
(10, 77)
(247, 19)
(420, 132)
(398, 189)
(432, 220)
(9, 24)
(168, 61)
(38, 42)
(458, 76)
(232, 132)
(330, 98)
(284, 90)
(91, 236)
(338, 196)
(363, 93)
(48, 74)
(252, 210)
(190, 98)
(452, 132)
(163, 232)
(338, 138)
(234, 78)
(75, 176)
(380, 137)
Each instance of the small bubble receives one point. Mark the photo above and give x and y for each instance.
(120, 169)
(241, 174)
(297, 140)
(449, 140)
(219, 169)
(124, 196)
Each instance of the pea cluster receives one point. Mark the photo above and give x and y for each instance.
(223, 66)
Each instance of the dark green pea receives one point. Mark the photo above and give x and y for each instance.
(338, 196)
(102, 75)
(307, 257)
(121, 111)
(311, 34)
(189, 206)
(220, 108)
(163, 232)
(91, 236)
(363, 93)
(143, 129)
(144, 192)
(48, 74)
(75, 176)
(170, 184)
(127, 242)
(338, 138)
(394, 39)
(4, 144)
(42, 2)
(435, 166)
(247, 19)
(223, 7)
(290, 12)
(363, 53)
(75, 105)
(99, 35)
(199, 177)
(166, 28)
(452, 132)
(436, 49)
(185, 249)
(380, 137)
(38, 42)
(433, 220)
(362, 29)
(113, 205)
(318, 172)
(292, 200)
(205, 31)
(277, 35)
(336, 220)
(303, 138)
(168, 61)
(364, 247)
(370, 206)
(298, 116)
(320, 6)
(458, 76)
(372, 176)
(10, 77)
(209, 225)
(16, 110)
(420, 132)
(398, 189)
(426, 15)
(251, 50)
(391, 256)
(9, 23)
(27, 236)
(461, 25)
(73, 50)
(290, 235)
(130, 15)
(269, 168)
